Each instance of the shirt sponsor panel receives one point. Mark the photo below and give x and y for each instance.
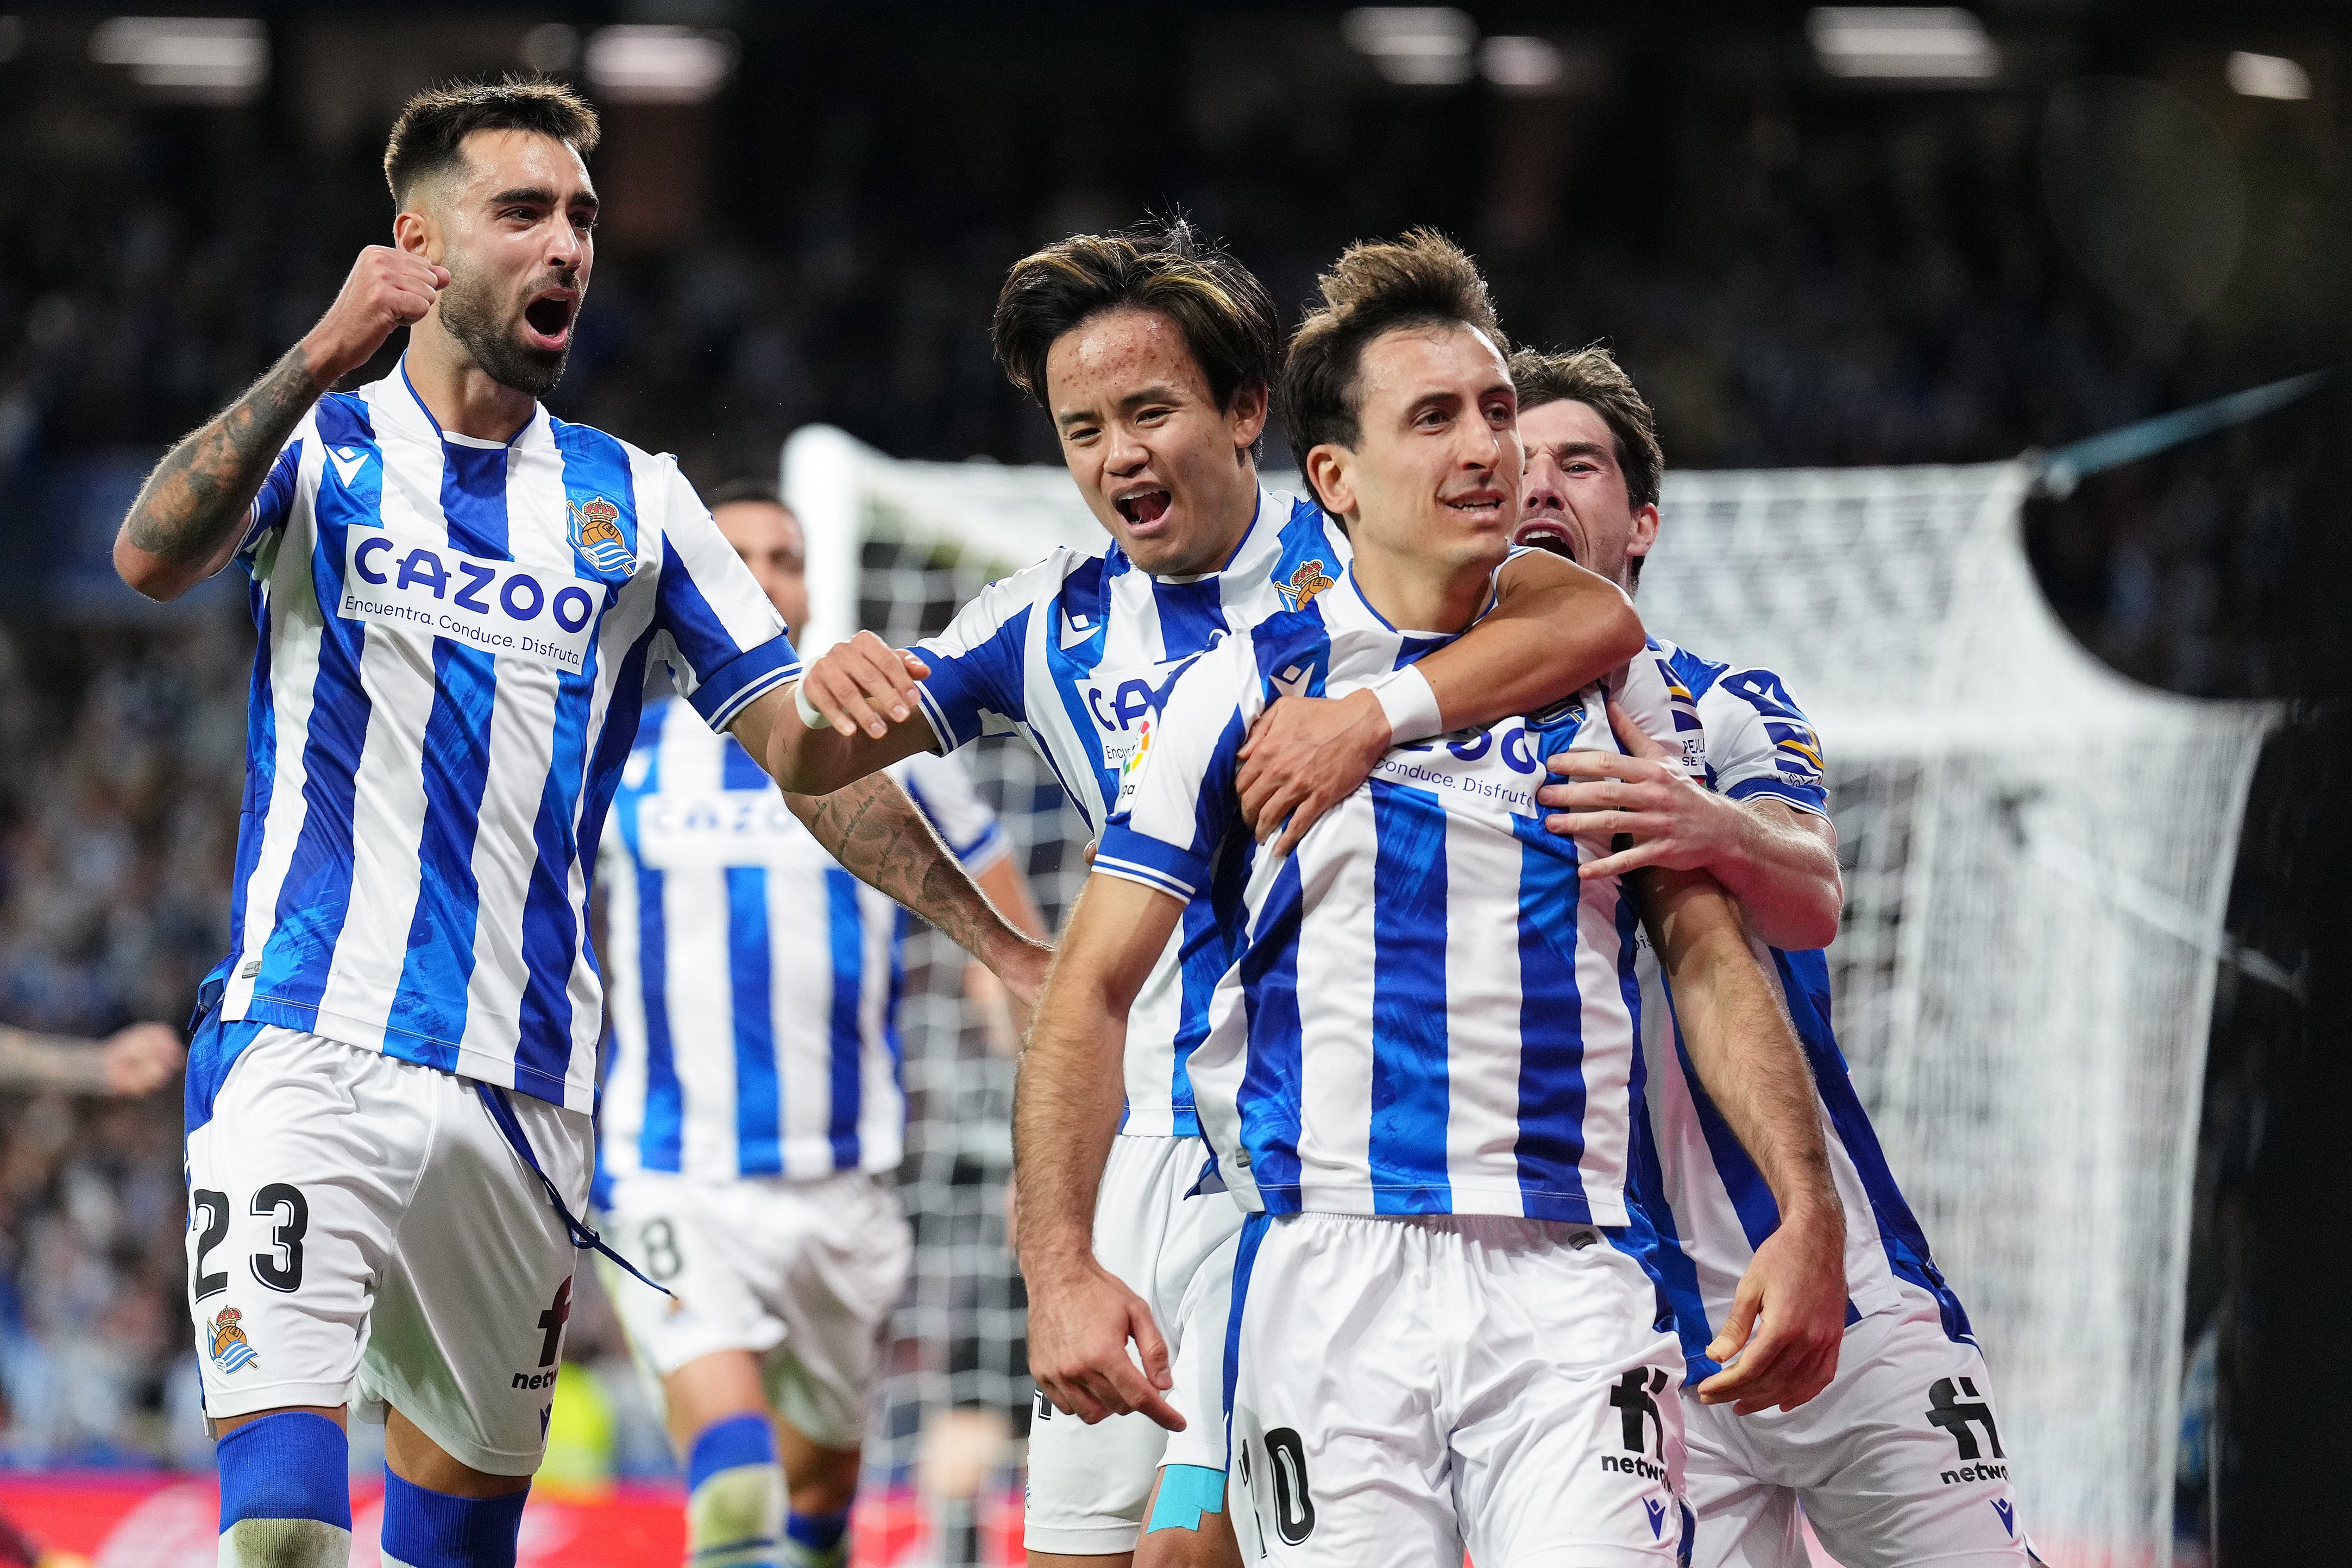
(499, 606)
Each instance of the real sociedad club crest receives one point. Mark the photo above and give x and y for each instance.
(232, 1352)
(596, 535)
(1305, 584)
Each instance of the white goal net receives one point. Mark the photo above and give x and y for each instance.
(2037, 855)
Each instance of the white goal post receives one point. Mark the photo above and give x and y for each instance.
(2037, 853)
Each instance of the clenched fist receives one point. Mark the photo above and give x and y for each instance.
(387, 289)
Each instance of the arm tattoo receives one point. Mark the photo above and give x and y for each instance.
(31, 1061)
(879, 836)
(198, 495)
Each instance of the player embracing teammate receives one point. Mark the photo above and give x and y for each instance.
(1417, 1070)
(458, 599)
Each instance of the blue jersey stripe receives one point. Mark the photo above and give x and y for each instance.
(847, 929)
(315, 897)
(1412, 1090)
(661, 1135)
(758, 1089)
(431, 1000)
(1191, 614)
(1551, 1031)
(1270, 1101)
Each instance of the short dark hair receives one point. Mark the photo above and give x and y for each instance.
(729, 492)
(426, 138)
(1375, 286)
(1591, 376)
(1227, 318)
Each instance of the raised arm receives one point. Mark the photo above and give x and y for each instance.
(191, 512)
(1780, 862)
(879, 838)
(1555, 629)
(1787, 1317)
(1065, 1108)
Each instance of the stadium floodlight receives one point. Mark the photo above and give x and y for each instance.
(1521, 64)
(2267, 76)
(203, 59)
(1923, 45)
(1413, 45)
(646, 64)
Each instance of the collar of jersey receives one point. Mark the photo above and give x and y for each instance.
(1357, 589)
(538, 412)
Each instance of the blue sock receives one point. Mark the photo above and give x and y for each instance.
(286, 1494)
(816, 1540)
(734, 1489)
(426, 1528)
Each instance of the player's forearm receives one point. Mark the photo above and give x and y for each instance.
(1555, 629)
(192, 508)
(1784, 875)
(1741, 1044)
(879, 836)
(43, 1062)
(806, 761)
(1065, 1108)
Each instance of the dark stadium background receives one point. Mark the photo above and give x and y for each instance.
(1797, 270)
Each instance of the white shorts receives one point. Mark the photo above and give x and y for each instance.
(360, 1232)
(1407, 1388)
(1897, 1461)
(802, 1274)
(1088, 1485)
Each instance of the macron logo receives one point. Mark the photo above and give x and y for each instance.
(1293, 680)
(1657, 1512)
(347, 461)
(1076, 629)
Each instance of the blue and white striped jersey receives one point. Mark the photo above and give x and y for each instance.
(754, 982)
(1704, 1195)
(454, 638)
(1075, 654)
(1423, 1009)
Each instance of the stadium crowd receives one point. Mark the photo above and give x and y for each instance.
(1795, 280)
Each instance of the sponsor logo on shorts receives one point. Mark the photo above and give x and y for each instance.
(1636, 1397)
(232, 1352)
(1947, 1409)
(1977, 1472)
(1657, 1512)
(2008, 1511)
(551, 1324)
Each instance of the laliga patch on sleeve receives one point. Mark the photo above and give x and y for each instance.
(498, 606)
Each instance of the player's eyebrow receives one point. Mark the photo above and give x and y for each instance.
(541, 197)
(1578, 449)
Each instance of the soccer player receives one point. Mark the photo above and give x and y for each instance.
(753, 1110)
(1418, 1072)
(1153, 355)
(1900, 1460)
(458, 597)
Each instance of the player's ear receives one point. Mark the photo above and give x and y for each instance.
(1330, 473)
(415, 232)
(1645, 529)
(1248, 412)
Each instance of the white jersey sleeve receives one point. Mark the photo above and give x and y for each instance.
(1654, 698)
(978, 684)
(1759, 743)
(721, 638)
(1177, 804)
(945, 794)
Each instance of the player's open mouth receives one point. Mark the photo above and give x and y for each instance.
(1142, 509)
(1546, 533)
(549, 317)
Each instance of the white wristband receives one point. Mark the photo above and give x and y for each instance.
(809, 716)
(1411, 706)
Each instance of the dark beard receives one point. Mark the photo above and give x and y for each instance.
(472, 316)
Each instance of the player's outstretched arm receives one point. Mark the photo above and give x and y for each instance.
(881, 839)
(1555, 629)
(1065, 1108)
(191, 512)
(1788, 1318)
(1779, 862)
